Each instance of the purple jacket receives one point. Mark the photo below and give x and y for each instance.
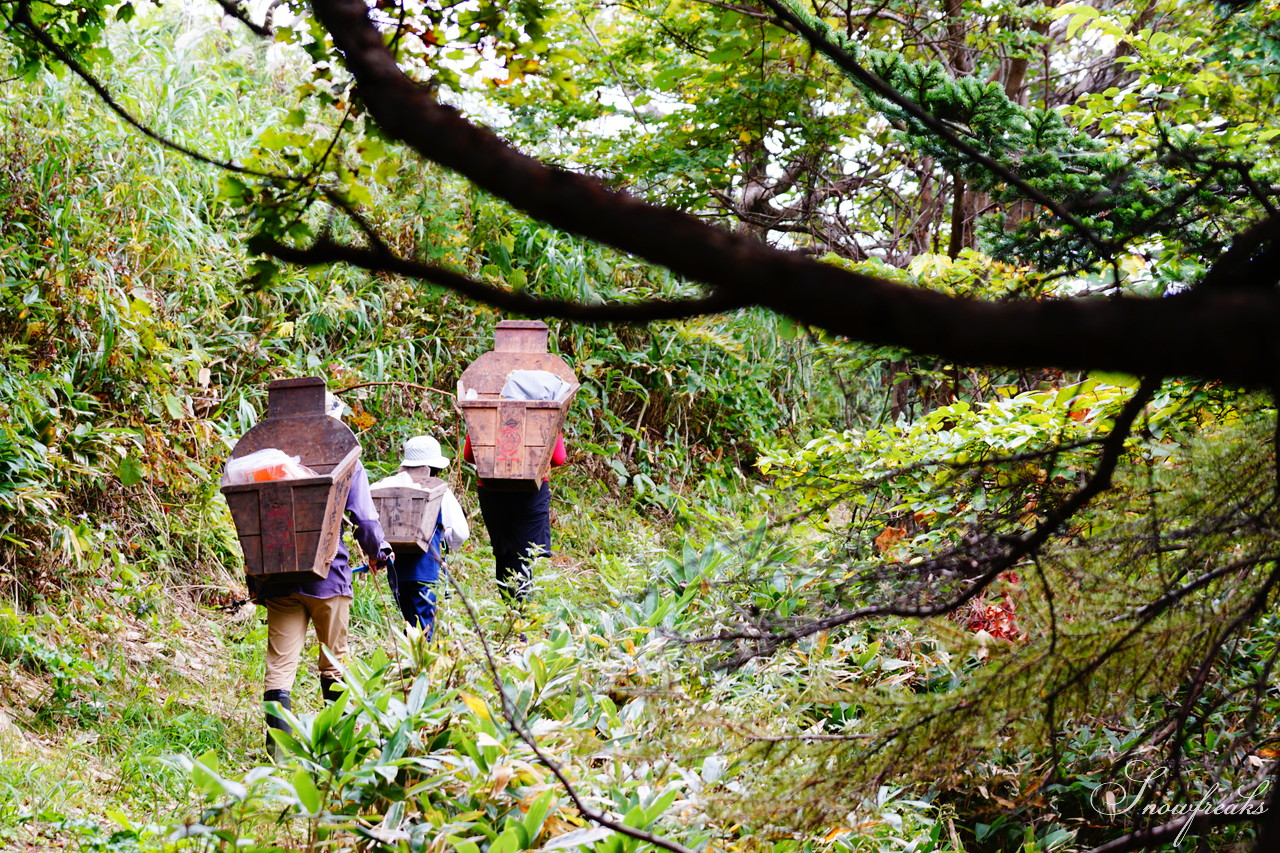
(368, 533)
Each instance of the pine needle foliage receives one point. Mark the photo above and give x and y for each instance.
(1118, 194)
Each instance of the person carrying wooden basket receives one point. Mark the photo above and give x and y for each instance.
(514, 400)
(418, 571)
(325, 603)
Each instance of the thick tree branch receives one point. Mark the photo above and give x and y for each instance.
(1221, 335)
(1252, 260)
(235, 9)
(327, 252)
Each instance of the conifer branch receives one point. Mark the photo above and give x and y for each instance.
(820, 36)
(1100, 481)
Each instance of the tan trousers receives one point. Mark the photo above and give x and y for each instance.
(287, 619)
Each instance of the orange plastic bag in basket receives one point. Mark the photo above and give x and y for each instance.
(263, 466)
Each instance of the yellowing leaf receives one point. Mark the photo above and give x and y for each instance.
(477, 706)
(362, 420)
(501, 777)
(929, 265)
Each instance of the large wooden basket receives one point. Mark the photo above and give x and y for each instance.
(513, 440)
(409, 514)
(289, 530)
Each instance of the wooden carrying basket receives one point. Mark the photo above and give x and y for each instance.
(409, 514)
(289, 530)
(512, 440)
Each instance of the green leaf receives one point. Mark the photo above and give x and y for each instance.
(636, 818)
(130, 471)
(508, 842)
(537, 814)
(307, 792)
(660, 805)
(231, 188)
(1081, 15)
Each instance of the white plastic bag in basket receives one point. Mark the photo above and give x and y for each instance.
(263, 465)
(401, 479)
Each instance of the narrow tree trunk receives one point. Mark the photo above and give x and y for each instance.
(957, 51)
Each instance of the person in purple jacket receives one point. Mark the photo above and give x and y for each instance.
(325, 603)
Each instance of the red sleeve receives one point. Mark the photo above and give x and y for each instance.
(467, 455)
(559, 456)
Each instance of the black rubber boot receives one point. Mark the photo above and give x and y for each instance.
(274, 722)
(329, 689)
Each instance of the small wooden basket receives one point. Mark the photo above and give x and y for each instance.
(513, 440)
(289, 530)
(409, 514)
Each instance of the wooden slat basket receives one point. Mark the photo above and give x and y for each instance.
(409, 514)
(512, 440)
(289, 530)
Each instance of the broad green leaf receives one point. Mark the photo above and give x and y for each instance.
(130, 471)
(307, 792)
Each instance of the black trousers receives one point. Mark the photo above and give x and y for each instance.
(519, 525)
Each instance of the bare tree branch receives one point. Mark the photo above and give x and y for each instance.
(517, 725)
(394, 383)
(1153, 608)
(327, 252)
(235, 9)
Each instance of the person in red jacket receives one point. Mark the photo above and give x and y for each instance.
(519, 525)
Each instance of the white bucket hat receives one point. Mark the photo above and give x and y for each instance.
(423, 450)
